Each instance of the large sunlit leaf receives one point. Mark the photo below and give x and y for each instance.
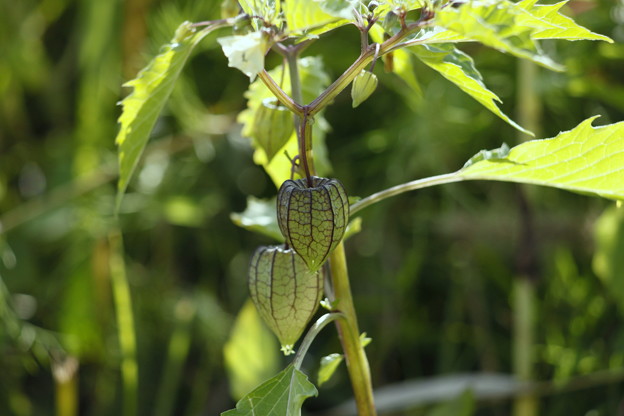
(566, 28)
(282, 395)
(586, 159)
(251, 352)
(539, 21)
(459, 68)
(151, 89)
(500, 24)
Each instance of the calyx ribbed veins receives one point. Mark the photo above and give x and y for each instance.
(313, 219)
(285, 291)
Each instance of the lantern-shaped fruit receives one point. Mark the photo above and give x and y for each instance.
(286, 293)
(272, 127)
(313, 219)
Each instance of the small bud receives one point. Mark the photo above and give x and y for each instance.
(286, 293)
(363, 86)
(272, 127)
(313, 219)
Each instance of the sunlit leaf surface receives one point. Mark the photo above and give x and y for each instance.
(585, 159)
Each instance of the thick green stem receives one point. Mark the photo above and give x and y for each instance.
(355, 357)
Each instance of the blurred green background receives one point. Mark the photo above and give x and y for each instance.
(92, 327)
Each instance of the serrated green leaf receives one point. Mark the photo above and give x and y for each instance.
(566, 28)
(251, 352)
(307, 17)
(151, 89)
(259, 216)
(314, 80)
(459, 68)
(245, 52)
(586, 159)
(341, 8)
(500, 24)
(281, 395)
(329, 365)
(491, 155)
(555, 26)
(385, 6)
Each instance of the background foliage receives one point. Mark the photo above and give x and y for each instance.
(432, 271)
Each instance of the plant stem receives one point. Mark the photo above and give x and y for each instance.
(362, 62)
(523, 313)
(355, 357)
(529, 112)
(303, 123)
(405, 187)
(279, 93)
(318, 326)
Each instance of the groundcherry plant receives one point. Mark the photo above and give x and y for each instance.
(312, 215)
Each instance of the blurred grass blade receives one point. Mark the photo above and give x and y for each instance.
(151, 89)
(283, 394)
(177, 353)
(586, 159)
(125, 324)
